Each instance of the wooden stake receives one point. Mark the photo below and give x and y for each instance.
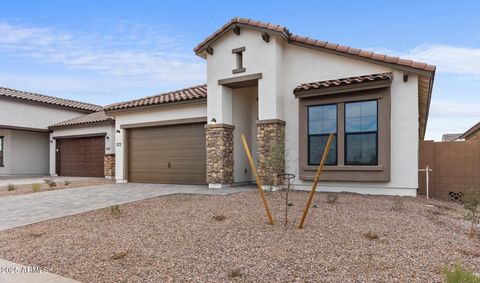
(315, 182)
(259, 185)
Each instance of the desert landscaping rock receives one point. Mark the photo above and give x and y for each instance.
(176, 238)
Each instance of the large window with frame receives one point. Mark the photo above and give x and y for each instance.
(361, 133)
(322, 120)
(1, 152)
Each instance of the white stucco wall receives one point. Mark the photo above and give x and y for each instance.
(19, 113)
(283, 67)
(159, 114)
(87, 129)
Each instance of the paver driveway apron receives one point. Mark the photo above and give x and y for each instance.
(32, 208)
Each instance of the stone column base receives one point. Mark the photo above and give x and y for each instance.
(219, 139)
(271, 150)
(109, 166)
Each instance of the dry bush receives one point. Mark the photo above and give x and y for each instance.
(220, 217)
(234, 273)
(119, 255)
(371, 236)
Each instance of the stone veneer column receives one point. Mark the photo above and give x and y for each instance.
(219, 154)
(271, 149)
(109, 166)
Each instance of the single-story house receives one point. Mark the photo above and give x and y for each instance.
(472, 134)
(83, 146)
(25, 118)
(286, 93)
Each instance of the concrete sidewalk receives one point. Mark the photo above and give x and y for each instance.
(20, 210)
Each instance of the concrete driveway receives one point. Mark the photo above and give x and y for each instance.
(31, 208)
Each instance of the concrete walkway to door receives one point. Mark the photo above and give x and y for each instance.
(27, 209)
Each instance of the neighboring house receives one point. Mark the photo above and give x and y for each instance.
(450, 137)
(472, 134)
(284, 92)
(83, 146)
(24, 133)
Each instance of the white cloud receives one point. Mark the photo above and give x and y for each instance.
(449, 59)
(443, 108)
(130, 52)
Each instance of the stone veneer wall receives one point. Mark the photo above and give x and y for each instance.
(219, 153)
(271, 149)
(109, 165)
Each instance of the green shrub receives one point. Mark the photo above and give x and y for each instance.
(457, 274)
(471, 203)
(36, 187)
(115, 210)
(332, 198)
(50, 182)
(11, 187)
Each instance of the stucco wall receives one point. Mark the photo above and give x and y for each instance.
(19, 113)
(145, 116)
(80, 130)
(284, 66)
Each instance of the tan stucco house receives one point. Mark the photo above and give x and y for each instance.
(472, 134)
(284, 92)
(25, 118)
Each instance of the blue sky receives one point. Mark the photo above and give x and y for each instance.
(110, 51)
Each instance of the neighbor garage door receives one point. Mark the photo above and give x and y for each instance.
(81, 157)
(174, 154)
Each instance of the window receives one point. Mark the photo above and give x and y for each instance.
(239, 68)
(361, 133)
(322, 120)
(1, 152)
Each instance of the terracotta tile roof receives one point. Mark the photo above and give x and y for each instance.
(95, 117)
(191, 93)
(343, 81)
(471, 131)
(292, 38)
(13, 93)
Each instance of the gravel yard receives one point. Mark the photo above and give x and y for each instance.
(60, 184)
(184, 238)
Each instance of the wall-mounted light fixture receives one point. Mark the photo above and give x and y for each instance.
(51, 141)
(213, 121)
(118, 131)
(107, 138)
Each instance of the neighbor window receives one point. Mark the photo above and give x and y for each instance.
(361, 133)
(1, 151)
(322, 120)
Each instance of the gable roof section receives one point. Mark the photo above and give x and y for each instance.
(471, 131)
(183, 95)
(61, 102)
(310, 42)
(342, 82)
(96, 117)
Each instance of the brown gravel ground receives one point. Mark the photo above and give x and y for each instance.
(27, 189)
(184, 238)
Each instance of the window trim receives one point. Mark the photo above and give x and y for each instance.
(320, 135)
(342, 172)
(360, 133)
(2, 141)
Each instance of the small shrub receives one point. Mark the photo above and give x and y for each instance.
(332, 198)
(234, 273)
(119, 255)
(471, 204)
(36, 234)
(397, 203)
(67, 183)
(115, 210)
(36, 187)
(220, 217)
(371, 236)
(50, 182)
(457, 274)
(11, 187)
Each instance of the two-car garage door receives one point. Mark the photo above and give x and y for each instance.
(174, 154)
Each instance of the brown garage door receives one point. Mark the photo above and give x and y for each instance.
(81, 157)
(173, 154)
